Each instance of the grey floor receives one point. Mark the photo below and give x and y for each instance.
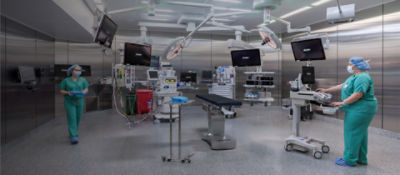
(108, 146)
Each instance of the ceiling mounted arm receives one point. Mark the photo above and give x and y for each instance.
(289, 27)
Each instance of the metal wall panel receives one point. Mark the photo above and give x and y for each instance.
(45, 93)
(391, 65)
(2, 77)
(19, 105)
(373, 36)
(363, 38)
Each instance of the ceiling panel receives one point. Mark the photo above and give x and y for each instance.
(168, 13)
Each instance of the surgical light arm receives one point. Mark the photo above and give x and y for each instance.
(289, 27)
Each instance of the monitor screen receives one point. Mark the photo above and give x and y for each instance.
(242, 58)
(152, 74)
(137, 54)
(26, 73)
(308, 50)
(207, 74)
(155, 61)
(189, 77)
(106, 31)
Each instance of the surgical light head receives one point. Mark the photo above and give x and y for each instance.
(176, 47)
(269, 38)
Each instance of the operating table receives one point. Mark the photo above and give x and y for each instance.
(216, 137)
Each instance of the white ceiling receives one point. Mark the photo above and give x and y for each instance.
(168, 13)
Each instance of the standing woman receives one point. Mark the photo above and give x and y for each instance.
(74, 88)
(360, 105)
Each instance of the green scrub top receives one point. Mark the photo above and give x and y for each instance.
(68, 84)
(360, 83)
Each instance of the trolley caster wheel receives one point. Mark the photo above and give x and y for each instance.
(163, 159)
(288, 147)
(325, 149)
(189, 161)
(169, 160)
(317, 155)
(182, 161)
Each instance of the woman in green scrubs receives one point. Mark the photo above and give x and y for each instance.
(74, 88)
(360, 105)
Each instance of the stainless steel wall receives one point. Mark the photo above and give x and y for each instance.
(374, 35)
(24, 109)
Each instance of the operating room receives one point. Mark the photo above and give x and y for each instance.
(200, 87)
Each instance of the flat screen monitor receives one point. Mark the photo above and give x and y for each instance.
(60, 70)
(243, 58)
(26, 73)
(155, 61)
(137, 54)
(152, 75)
(308, 50)
(207, 75)
(106, 31)
(189, 77)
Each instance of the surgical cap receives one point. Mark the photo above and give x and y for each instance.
(360, 63)
(72, 68)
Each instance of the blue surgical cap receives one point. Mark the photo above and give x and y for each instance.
(72, 68)
(360, 63)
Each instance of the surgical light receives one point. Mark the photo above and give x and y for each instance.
(269, 38)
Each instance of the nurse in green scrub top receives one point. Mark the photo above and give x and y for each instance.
(360, 105)
(74, 88)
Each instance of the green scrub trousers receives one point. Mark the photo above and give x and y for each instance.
(358, 117)
(74, 104)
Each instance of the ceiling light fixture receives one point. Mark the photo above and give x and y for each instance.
(230, 1)
(165, 10)
(296, 12)
(320, 2)
(158, 19)
(232, 9)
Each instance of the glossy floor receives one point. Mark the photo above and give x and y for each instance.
(108, 146)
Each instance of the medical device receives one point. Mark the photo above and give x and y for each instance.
(224, 86)
(106, 31)
(165, 90)
(301, 95)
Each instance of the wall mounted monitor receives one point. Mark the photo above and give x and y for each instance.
(106, 31)
(26, 73)
(155, 61)
(137, 54)
(189, 77)
(243, 58)
(308, 50)
(60, 70)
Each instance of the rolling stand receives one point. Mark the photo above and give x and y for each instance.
(171, 158)
(300, 96)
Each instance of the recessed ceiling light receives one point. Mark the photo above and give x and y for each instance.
(165, 10)
(296, 12)
(231, 9)
(230, 1)
(320, 2)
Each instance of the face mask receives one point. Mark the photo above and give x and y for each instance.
(350, 69)
(77, 73)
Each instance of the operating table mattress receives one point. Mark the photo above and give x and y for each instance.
(219, 100)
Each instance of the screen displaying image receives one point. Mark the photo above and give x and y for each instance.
(137, 54)
(189, 77)
(106, 31)
(155, 61)
(308, 50)
(242, 58)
